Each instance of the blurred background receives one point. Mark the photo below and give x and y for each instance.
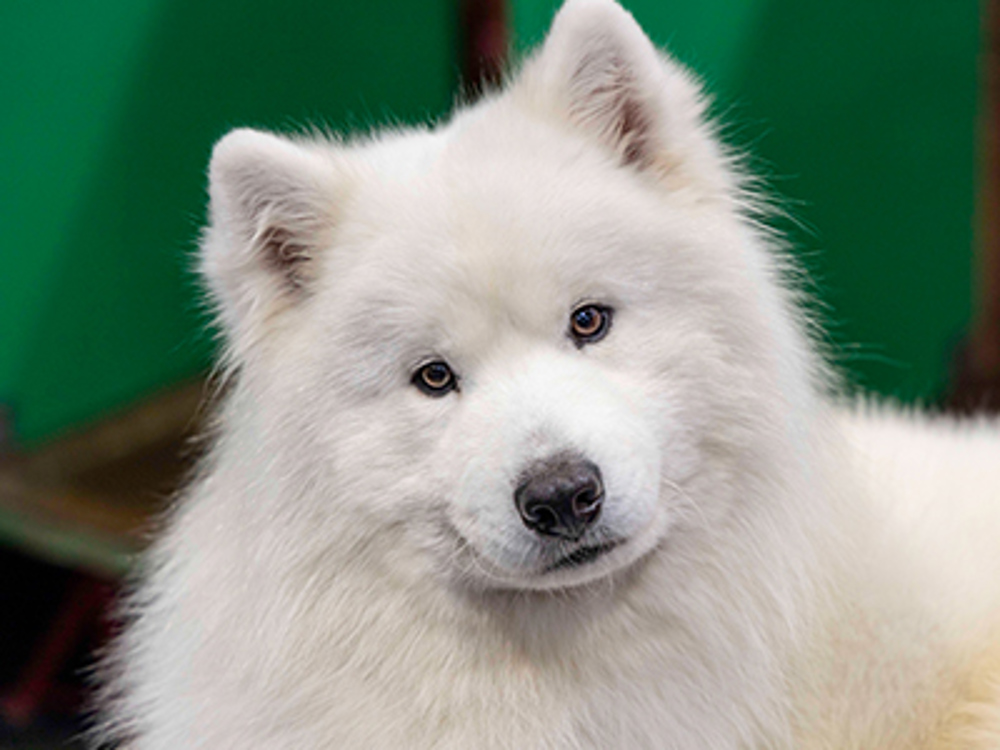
(874, 120)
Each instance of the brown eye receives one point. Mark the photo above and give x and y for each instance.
(435, 379)
(589, 323)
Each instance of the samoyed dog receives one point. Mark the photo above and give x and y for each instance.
(528, 445)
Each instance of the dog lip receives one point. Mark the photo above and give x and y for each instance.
(582, 556)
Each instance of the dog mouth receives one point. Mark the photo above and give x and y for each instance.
(480, 567)
(582, 556)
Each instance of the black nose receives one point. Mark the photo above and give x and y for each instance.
(560, 497)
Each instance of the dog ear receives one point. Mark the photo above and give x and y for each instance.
(606, 79)
(272, 212)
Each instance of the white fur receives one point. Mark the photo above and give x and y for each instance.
(350, 571)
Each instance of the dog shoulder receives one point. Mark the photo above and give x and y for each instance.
(973, 722)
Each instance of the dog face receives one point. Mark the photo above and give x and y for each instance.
(518, 345)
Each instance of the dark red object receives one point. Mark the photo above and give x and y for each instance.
(484, 43)
(38, 688)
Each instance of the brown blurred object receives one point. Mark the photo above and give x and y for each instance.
(86, 501)
(976, 376)
(483, 39)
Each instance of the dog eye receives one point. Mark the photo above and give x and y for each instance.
(589, 323)
(435, 379)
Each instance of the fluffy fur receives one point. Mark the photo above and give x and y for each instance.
(349, 569)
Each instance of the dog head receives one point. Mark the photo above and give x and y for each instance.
(529, 345)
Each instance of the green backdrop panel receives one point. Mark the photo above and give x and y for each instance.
(110, 110)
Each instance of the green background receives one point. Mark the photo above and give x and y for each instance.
(861, 114)
(110, 109)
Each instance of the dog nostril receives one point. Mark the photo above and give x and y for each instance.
(560, 497)
(540, 517)
(587, 501)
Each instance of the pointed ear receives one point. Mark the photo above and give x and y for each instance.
(272, 211)
(606, 79)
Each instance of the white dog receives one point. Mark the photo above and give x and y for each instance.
(528, 446)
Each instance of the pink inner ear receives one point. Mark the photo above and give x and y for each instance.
(283, 254)
(605, 96)
(633, 128)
